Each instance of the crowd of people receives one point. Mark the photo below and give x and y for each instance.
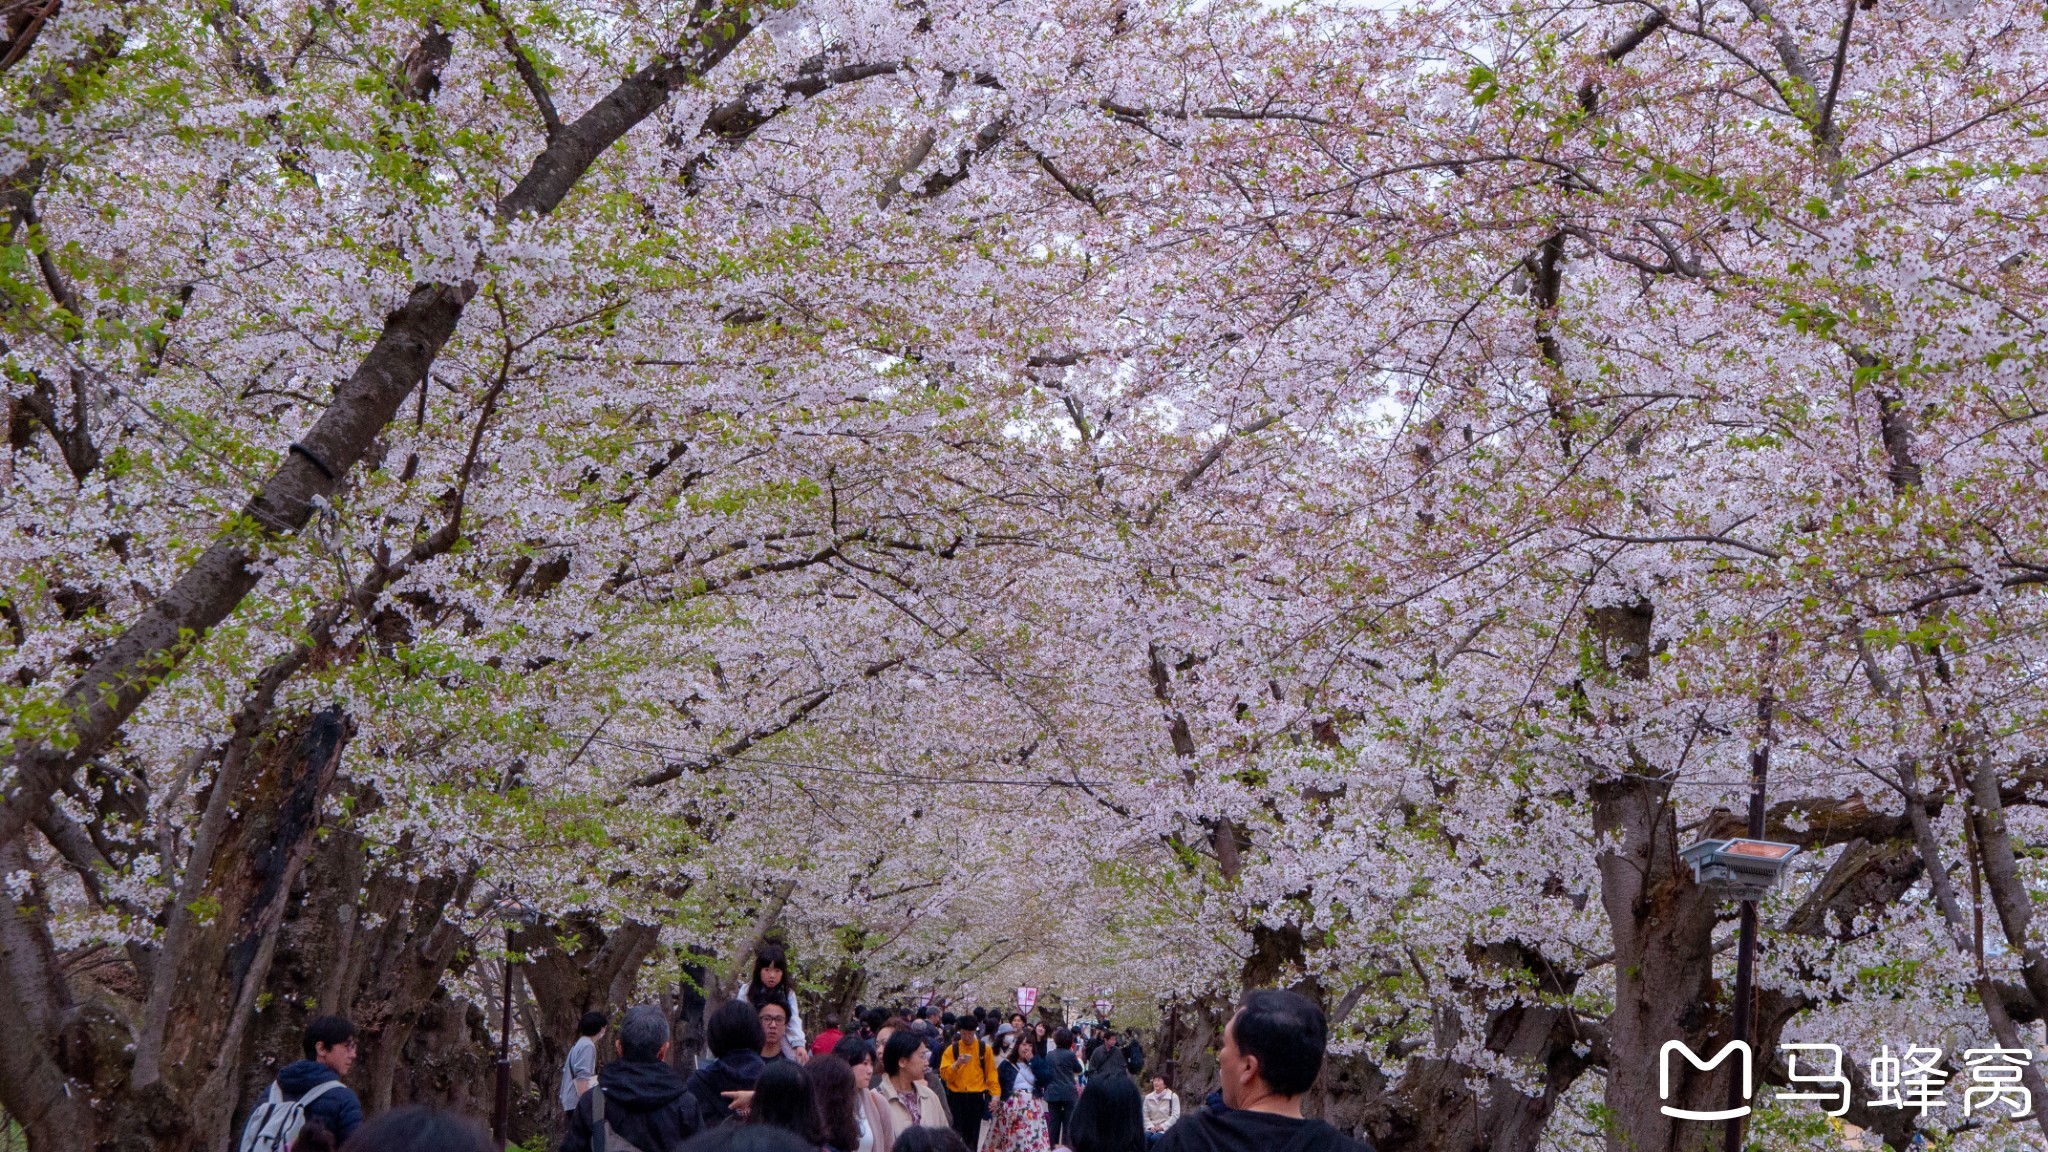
(883, 1080)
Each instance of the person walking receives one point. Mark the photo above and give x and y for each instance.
(1110, 1117)
(1061, 1083)
(930, 1140)
(1041, 1067)
(887, 1028)
(1106, 1055)
(968, 1067)
(638, 1098)
(908, 1102)
(579, 1070)
(1134, 1056)
(860, 1054)
(1162, 1110)
(836, 1091)
(1272, 1053)
(771, 981)
(783, 1098)
(928, 1034)
(734, 1035)
(309, 1091)
(1019, 1121)
(421, 1129)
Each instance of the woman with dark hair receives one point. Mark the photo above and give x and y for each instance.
(907, 1101)
(733, 1033)
(858, 1054)
(840, 1121)
(744, 1138)
(1110, 1116)
(1019, 1114)
(783, 1099)
(771, 984)
(418, 1129)
(930, 1140)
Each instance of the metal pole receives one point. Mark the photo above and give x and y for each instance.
(1745, 956)
(501, 1110)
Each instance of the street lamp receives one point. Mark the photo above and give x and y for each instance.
(512, 915)
(1745, 869)
(1741, 869)
(1102, 1007)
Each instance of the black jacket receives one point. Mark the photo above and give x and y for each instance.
(336, 1109)
(1239, 1131)
(644, 1102)
(1134, 1058)
(732, 1072)
(1062, 1066)
(1006, 1075)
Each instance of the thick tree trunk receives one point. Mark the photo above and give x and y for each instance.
(572, 967)
(77, 1052)
(1664, 988)
(45, 1052)
(375, 947)
(686, 1004)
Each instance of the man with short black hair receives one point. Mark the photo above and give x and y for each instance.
(638, 1095)
(1272, 1052)
(579, 1069)
(774, 1022)
(1106, 1056)
(968, 1071)
(1061, 1089)
(330, 1048)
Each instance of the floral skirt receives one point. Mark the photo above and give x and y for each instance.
(1019, 1126)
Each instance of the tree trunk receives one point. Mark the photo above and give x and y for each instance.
(573, 966)
(1664, 988)
(77, 1052)
(375, 947)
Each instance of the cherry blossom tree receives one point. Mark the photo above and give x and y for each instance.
(1171, 498)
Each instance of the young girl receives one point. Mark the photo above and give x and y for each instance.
(771, 982)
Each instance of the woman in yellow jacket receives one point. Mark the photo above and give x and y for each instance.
(968, 1066)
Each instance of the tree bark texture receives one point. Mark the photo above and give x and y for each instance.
(573, 967)
(375, 945)
(67, 1053)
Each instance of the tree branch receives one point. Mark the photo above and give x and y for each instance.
(528, 74)
(100, 701)
(784, 723)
